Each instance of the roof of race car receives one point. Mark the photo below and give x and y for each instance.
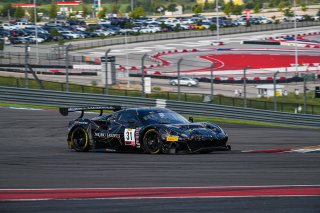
(147, 109)
(143, 110)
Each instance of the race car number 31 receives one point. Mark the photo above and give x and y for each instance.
(129, 135)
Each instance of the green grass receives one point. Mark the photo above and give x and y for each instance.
(235, 121)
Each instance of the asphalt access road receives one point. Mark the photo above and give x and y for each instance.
(33, 154)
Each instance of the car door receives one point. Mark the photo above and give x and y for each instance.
(121, 129)
(128, 122)
(183, 81)
(106, 135)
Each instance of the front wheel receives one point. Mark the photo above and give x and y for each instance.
(151, 142)
(80, 139)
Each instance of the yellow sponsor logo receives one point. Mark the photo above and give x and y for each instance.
(171, 138)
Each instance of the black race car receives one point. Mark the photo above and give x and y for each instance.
(148, 130)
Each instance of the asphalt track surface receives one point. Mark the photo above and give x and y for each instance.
(33, 155)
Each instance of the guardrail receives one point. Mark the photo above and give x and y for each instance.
(8, 59)
(53, 98)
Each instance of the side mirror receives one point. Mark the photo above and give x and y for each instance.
(191, 119)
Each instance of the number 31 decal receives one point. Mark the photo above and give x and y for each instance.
(129, 135)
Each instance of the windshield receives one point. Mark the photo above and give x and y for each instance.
(160, 117)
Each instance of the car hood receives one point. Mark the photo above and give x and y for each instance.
(195, 128)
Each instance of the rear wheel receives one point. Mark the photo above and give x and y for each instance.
(151, 142)
(80, 139)
(173, 83)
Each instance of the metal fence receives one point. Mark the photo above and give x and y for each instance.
(251, 103)
(53, 98)
(52, 58)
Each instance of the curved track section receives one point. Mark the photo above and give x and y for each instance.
(33, 155)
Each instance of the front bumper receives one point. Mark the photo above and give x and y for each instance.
(197, 145)
(208, 144)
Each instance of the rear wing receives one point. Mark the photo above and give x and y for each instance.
(65, 110)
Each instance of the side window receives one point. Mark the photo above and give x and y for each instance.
(124, 117)
(112, 117)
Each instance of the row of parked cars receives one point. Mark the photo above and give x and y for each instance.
(22, 32)
(299, 18)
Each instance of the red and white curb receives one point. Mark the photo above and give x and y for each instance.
(286, 36)
(299, 42)
(307, 149)
(159, 61)
(159, 192)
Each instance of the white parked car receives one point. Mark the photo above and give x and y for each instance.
(206, 24)
(265, 21)
(148, 30)
(315, 18)
(154, 27)
(292, 19)
(7, 26)
(106, 21)
(126, 31)
(136, 29)
(186, 21)
(70, 34)
(241, 22)
(185, 26)
(34, 39)
(102, 32)
(80, 28)
(186, 81)
(172, 22)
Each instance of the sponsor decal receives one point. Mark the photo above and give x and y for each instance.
(172, 138)
(130, 137)
(138, 138)
(113, 135)
(106, 135)
(80, 122)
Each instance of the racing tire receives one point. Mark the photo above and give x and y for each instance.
(173, 83)
(229, 147)
(80, 139)
(151, 142)
(189, 85)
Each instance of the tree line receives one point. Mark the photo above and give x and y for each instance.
(146, 7)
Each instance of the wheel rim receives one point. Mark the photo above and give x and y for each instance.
(152, 143)
(79, 138)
